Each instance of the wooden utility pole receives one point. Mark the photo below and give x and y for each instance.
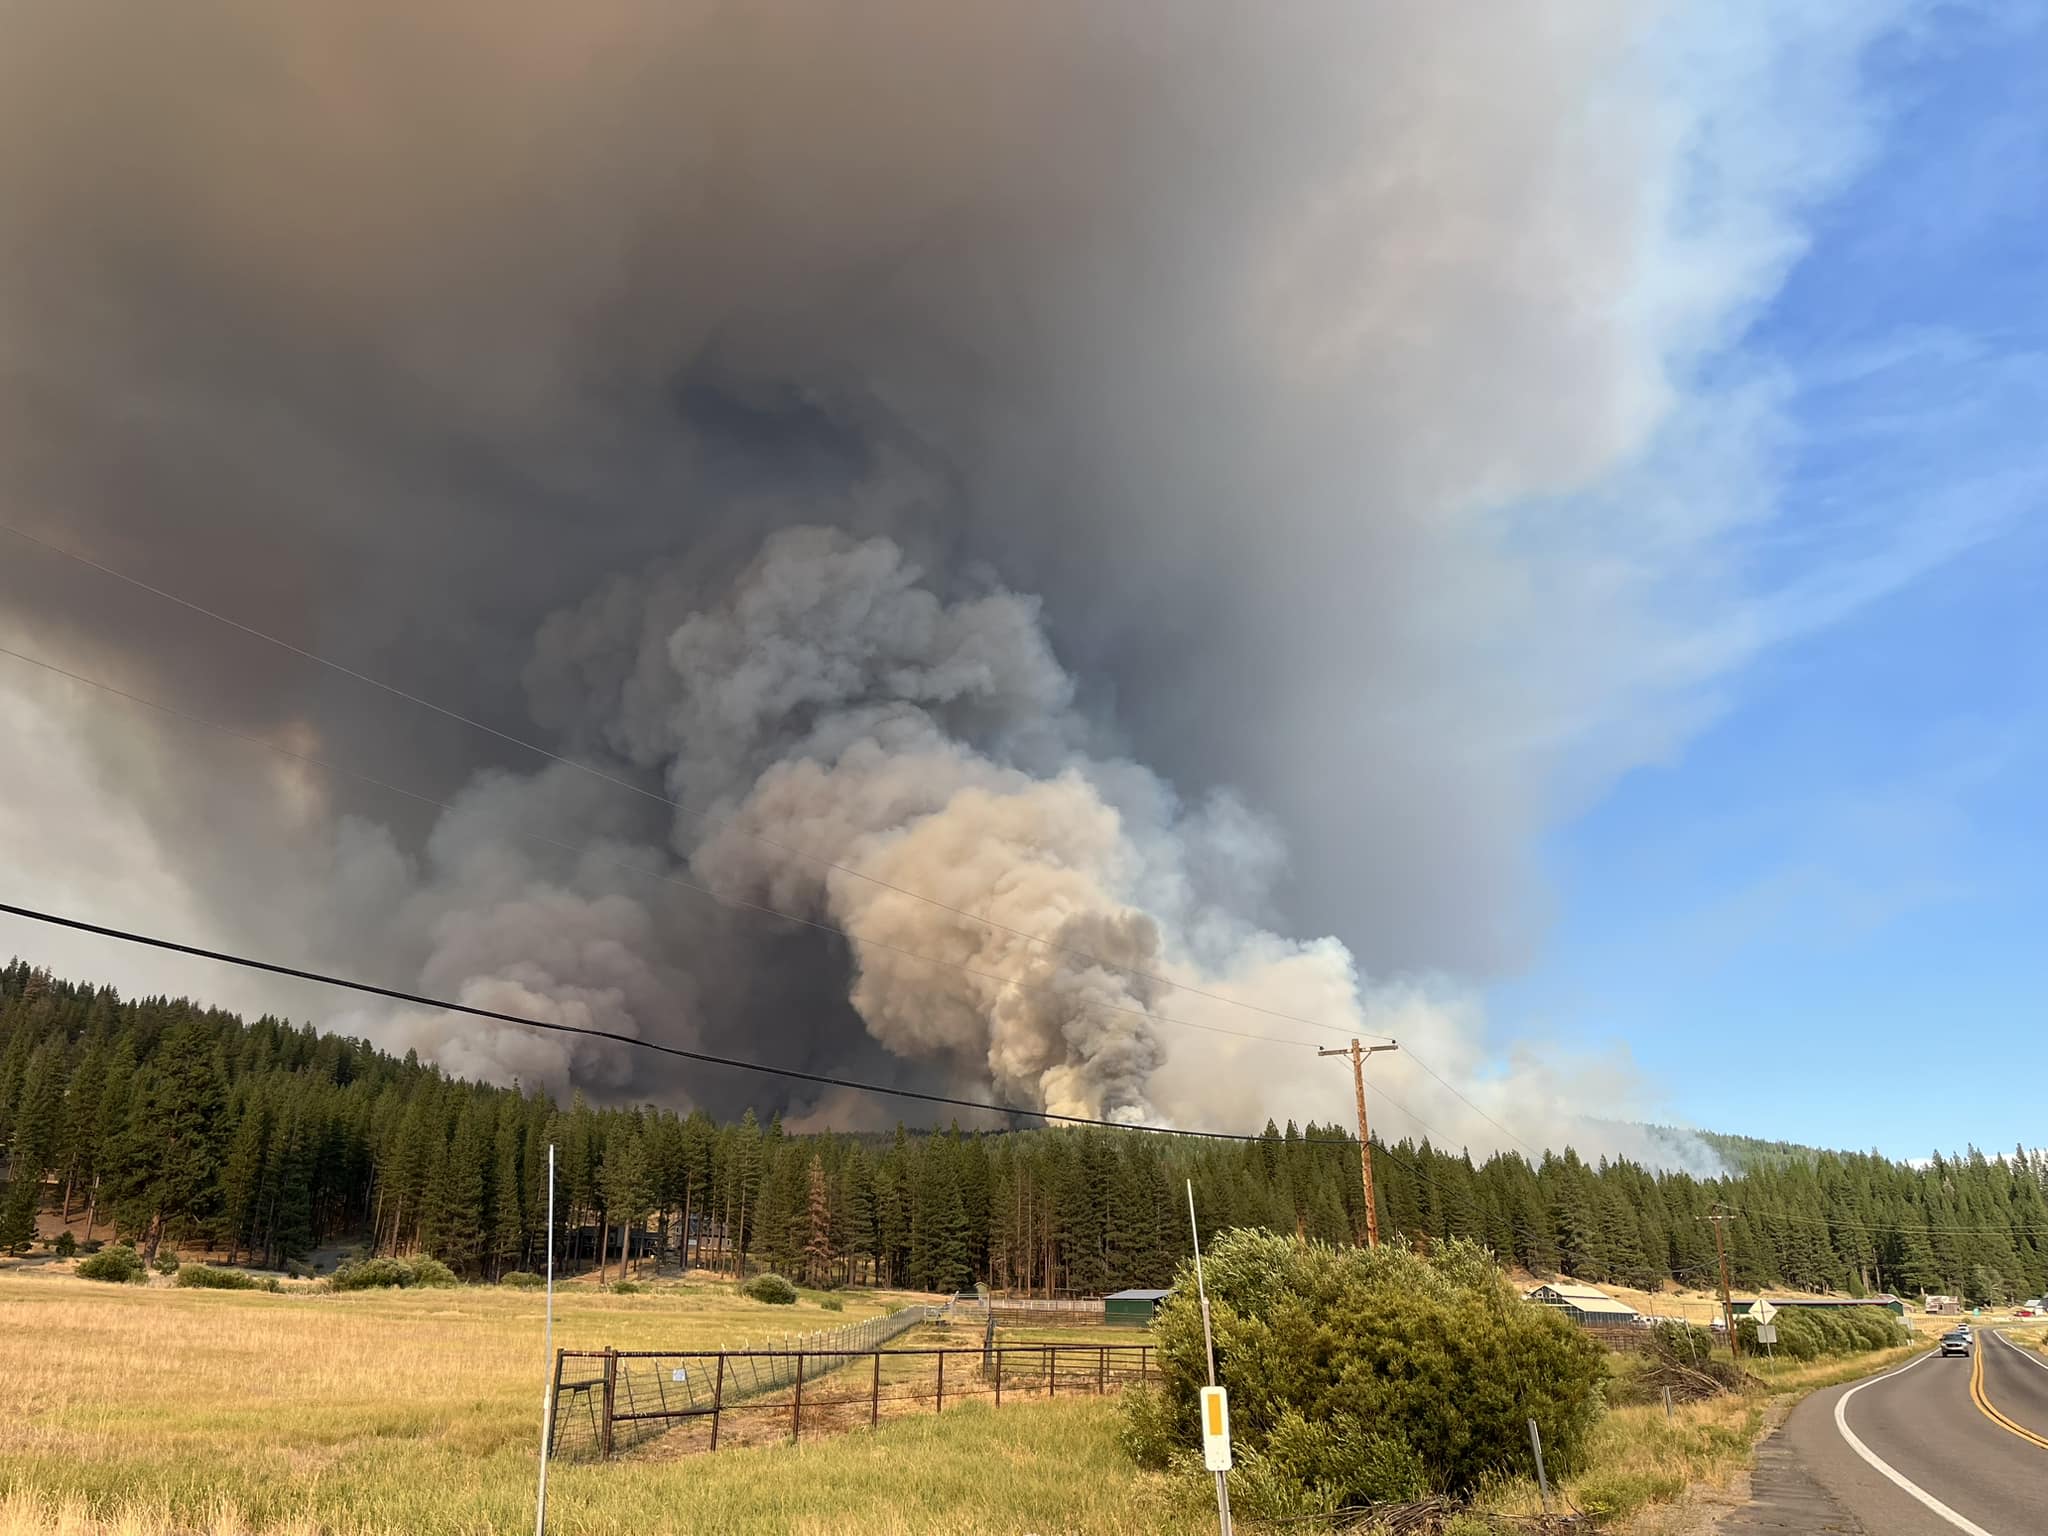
(1358, 1053)
(1727, 1306)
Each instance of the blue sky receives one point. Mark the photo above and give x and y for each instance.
(1822, 918)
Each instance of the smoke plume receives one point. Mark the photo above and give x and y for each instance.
(1357, 392)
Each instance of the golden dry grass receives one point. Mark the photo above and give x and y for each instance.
(151, 1411)
(1638, 1464)
(158, 1412)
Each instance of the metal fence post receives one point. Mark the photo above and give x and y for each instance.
(611, 1381)
(796, 1414)
(999, 1376)
(1102, 1370)
(875, 1394)
(555, 1403)
(941, 1406)
(717, 1401)
(1542, 1479)
(1052, 1370)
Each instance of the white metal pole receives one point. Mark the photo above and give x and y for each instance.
(1209, 1344)
(547, 1379)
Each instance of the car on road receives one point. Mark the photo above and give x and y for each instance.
(1955, 1342)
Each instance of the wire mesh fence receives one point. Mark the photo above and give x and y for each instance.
(595, 1402)
(610, 1401)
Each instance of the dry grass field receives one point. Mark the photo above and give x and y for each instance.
(153, 1411)
(162, 1412)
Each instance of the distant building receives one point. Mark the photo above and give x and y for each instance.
(1584, 1304)
(1131, 1309)
(1891, 1304)
(1941, 1304)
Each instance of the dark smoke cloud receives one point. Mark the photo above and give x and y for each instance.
(1278, 351)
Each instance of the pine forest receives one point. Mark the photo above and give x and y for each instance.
(165, 1122)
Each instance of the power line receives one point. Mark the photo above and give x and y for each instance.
(706, 818)
(1482, 1114)
(1891, 1226)
(707, 1058)
(667, 878)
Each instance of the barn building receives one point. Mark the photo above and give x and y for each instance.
(1584, 1304)
(1131, 1309)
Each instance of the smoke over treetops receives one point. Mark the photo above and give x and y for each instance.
(1352, 388)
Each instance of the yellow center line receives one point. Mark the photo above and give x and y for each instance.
(1984, 1403)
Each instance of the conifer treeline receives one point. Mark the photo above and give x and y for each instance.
(165, 1121)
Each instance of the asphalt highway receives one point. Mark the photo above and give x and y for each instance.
(1931, 1448)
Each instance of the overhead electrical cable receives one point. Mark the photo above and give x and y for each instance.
(707, 1058)
(1482, 1114)
(706, 818)
(668, 878)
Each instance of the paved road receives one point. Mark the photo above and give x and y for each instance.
(1932, 1448)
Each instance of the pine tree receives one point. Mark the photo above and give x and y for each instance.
(169, 1158)
(37, 1127)
(818, 1246)
(508, 1186)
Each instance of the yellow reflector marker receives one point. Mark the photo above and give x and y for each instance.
(1215, 1429)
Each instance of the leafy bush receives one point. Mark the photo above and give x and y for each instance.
(771, 1288)
(66, 1244)
(205, 1277)
(1361, 1375)
(626, 1287)
(167, 1263)
(386, 1274)
(298, 1270)
(521, 1280)
(832, 1303)
(1808, 1333)
(119, 1264)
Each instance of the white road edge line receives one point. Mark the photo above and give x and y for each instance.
(1960, 1522)
(2025, 1354)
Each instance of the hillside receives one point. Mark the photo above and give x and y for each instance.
(165, 1121)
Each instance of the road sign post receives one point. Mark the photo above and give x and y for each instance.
(1221, 1469)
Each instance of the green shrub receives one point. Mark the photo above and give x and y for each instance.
(626, 1287)
(298, 1270)
(167, 1263)
(205, 1277)
(386, 1274)
(521, 1280)
(1809, 1333)
(65, 1245)
(831, 1304)
(371, 1275)
(119, 1264)
(1314, 1469)
(1151, 1431)
(1359, 1375)
(772, 1289)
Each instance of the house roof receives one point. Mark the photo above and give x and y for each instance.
(1586, 1298)
(1137, 1295)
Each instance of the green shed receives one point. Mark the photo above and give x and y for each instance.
(1131, 1309)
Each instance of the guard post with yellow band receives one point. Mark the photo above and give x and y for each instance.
(1216, 1429)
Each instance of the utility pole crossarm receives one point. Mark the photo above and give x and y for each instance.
(1358, 1053)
